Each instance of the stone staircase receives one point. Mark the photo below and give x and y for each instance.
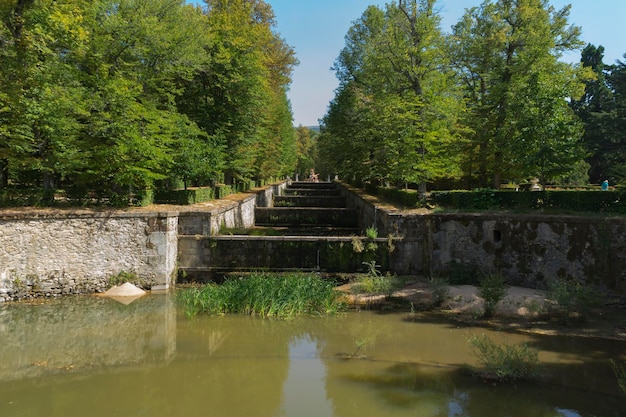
(307, 228)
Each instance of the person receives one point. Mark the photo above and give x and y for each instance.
(605, 185)
(313, 176)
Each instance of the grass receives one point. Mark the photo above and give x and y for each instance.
(264, 295)
(504, 362)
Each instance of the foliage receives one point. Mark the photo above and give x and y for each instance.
(393, 118)
(492, 289)
(264, 295)
(591, 201)
(572, 300)
(185, 197)
(602, 110)
(123, 277)
(620, 373)
(439, 290)
(371, 232)
(507, 56)
(504, 362)
(109, 97)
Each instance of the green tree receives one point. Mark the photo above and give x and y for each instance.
(306, 150)
(507, 57)
(602, 110)
(395, 75)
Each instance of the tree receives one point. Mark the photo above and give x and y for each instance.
(602, 110)
(393, 72)
(507, 56)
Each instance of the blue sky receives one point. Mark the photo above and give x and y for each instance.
(316, 30)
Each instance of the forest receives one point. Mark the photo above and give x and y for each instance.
(107, 97)
(488, 104)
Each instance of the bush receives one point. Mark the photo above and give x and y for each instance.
(585, 201)
(185, 197)
(492, 289)
(504, 362)
(439, 290)
(572, 300)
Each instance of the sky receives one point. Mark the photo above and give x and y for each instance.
(316, 30)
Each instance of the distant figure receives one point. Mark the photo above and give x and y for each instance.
(313, 177)
(605, 185)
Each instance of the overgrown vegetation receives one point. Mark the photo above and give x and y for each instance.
(439, 290)
(264, 295)
(504, 362)
(123, 277)
(492, 289)
(373, 282)
(571, 300)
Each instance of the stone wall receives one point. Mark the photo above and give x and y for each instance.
(48, 253)
(528, 249)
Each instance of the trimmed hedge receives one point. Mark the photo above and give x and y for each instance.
(602, 201)
(407, 198)
(185, 197)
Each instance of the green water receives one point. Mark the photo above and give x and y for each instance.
(97, 357)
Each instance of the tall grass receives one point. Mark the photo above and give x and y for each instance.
(264, 295)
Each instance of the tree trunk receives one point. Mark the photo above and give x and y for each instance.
(4, 173)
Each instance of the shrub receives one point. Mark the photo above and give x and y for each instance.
(504, 362)
(572, 300)
(492, 289)
(439, 290)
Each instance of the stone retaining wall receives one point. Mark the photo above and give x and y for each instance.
(45, 253)
(528, 249)
(48, 253)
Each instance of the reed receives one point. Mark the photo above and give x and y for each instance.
(264, 295)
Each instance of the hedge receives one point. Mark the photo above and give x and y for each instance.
(185, 197)
(589, 201)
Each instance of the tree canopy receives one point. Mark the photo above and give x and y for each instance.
(485, 104)
(115, 95)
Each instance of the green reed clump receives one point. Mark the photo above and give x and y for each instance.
(620, 373)
(264, 295)
(504, 362)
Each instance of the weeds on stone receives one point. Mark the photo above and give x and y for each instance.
(504, 362)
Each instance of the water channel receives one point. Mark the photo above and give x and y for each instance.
(91, 356)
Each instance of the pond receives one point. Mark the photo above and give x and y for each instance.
(91, 356)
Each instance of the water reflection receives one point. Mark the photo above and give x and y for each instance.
(84, 356)
(82, 333)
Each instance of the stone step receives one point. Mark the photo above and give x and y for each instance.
(309, 201)
(298, 231)
(305, 216)
(311, 192)
(313, 185)
(280, 253)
